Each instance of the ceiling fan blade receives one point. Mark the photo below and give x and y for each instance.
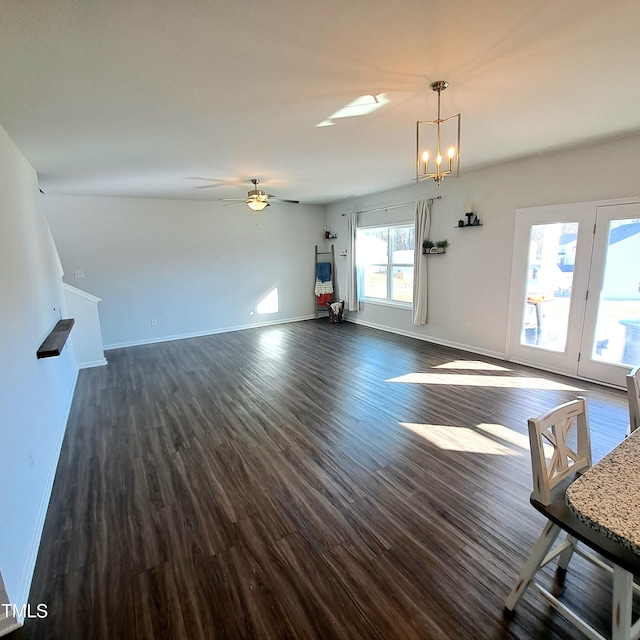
(216, 182)
(270, 195)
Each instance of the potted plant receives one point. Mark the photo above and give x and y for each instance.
(427, 245)
(442, 246)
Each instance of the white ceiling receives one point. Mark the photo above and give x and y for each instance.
(135, 97)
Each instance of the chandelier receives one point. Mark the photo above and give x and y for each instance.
(432, 136)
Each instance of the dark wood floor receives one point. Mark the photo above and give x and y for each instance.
(297, 481)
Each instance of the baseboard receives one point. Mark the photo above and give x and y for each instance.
(483, 352)
(24, 585)
(208, 332)
(418, 336)
(95, 363)
(564, 374)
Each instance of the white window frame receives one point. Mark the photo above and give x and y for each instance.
(388, 301)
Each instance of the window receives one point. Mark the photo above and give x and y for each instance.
(385, 263)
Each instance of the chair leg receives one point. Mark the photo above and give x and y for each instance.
(531, 566)
(622, 604)
(565, 556)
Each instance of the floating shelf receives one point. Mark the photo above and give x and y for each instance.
(466, 226)
(55, 341)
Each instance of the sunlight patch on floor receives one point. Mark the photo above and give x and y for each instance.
(462, 439)
(471, 365)
(505, 434)
(271, 344)
(505, 382)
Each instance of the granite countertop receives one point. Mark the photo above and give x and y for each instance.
(607, 496)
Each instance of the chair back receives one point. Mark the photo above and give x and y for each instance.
(633, 393)
(554, 429)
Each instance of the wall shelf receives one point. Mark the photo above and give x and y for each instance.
(55, 341)
(467, 226)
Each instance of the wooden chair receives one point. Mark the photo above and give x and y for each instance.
(550, 481)
(633, 393)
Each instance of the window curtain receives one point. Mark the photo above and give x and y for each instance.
(351, 290)
(421, 233)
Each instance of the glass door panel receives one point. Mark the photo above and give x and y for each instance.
(552, 249)
(552, 246)
(618, 319)
(575, 289)
(611, 343)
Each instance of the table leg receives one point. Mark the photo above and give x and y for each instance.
(538, 307)
(622, 604)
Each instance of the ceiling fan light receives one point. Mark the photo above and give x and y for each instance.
(256, 205)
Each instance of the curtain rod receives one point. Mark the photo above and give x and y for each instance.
(392, 206)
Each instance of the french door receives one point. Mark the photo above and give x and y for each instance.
(575, 289)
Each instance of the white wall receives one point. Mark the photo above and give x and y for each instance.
(35, 395)
(470, 284)
(87, 336)
(195, 267)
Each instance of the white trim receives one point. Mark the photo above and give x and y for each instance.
(94, 363)
(418, 336)
(559, 372)
(388, 303)
(408, 223)
(81, 294)
(24, 584)
(208, 332)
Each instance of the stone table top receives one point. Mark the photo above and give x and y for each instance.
(607, 496)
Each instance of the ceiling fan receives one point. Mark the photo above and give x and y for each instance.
(257, 200)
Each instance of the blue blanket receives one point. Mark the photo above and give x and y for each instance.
(323, 271)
